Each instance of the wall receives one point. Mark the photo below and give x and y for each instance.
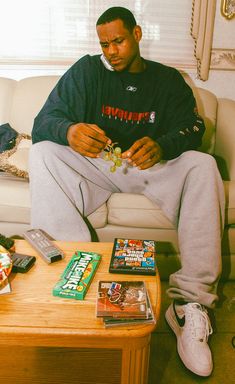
(222, 73)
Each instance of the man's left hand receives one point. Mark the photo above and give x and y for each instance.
(144, 153)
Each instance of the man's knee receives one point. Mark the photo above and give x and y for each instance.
(39, 150)
(42, 154)
(201, 159)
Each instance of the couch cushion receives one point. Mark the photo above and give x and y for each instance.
(133, 210)
(14, 199)
(15, 202)
(99, 218)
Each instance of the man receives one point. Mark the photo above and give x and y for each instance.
(150, 111)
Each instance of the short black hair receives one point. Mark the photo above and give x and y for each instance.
(115, 13)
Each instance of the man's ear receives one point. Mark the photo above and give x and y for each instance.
(137, 33)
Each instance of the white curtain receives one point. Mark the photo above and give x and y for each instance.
(202, 31)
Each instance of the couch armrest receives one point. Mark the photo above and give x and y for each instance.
(225, 138)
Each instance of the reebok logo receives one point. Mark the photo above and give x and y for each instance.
(131, 88)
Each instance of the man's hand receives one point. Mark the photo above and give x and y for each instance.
(144, 153)
(87, 139)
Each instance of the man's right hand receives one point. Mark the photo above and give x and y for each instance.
(87, 139)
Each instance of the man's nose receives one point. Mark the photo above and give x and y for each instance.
(112, 49)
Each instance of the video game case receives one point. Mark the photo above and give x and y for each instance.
(114, 322)
(77, 276)
(133, 256)
(122, 299)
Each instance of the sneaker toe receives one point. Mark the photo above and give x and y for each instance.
(198, 359)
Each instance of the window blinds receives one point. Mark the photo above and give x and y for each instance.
(61, 31)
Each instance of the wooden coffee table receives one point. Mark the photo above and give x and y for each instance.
(47, 339)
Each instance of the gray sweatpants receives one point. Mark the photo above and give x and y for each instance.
(66, 187)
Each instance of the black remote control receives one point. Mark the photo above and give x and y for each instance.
(22, 263)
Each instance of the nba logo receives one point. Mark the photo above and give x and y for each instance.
(152, 117)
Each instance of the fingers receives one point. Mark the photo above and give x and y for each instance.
(87, 139)
(144, 153)
(133, 149)
(148, 163)
(90, 140)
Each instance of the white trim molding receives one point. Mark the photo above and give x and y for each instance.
(223, 59)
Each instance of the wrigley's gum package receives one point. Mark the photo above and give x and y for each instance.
(76, 278)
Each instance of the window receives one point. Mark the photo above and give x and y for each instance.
(55, 33)
(60, 31)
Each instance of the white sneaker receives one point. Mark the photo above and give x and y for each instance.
(192, 327)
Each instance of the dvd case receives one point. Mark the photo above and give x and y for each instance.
(122, 322)
(122, 299)
(133, 256)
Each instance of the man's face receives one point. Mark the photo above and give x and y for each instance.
(120, 46)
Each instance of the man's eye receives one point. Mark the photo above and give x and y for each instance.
(119, 41)
(104, 45)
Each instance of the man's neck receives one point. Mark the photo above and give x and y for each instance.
(139, 67)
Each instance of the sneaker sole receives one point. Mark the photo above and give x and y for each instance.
(176, 329)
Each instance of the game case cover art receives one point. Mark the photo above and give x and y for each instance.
(133, 256)
(119, 322)
(76, 278)
(122, 299)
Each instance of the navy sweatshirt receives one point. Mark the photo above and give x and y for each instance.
(127, 106)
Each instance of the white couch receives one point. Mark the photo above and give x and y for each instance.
(124, 215)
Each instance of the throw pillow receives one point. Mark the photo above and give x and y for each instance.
(8, 137)
(15, 160)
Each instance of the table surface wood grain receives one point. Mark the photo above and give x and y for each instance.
(30, 315)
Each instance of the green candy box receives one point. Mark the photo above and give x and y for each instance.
(77, 276)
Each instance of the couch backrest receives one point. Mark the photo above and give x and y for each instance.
(225, 140)
(20, 102)
(29, 97)
(7, 89)
(207, 108)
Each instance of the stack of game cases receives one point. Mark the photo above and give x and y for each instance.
(122, 303)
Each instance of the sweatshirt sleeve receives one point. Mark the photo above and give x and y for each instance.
(183, 127)
(64, 106)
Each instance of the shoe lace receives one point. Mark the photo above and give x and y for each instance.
(197, 318)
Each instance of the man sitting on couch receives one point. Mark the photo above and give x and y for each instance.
(150, 111)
